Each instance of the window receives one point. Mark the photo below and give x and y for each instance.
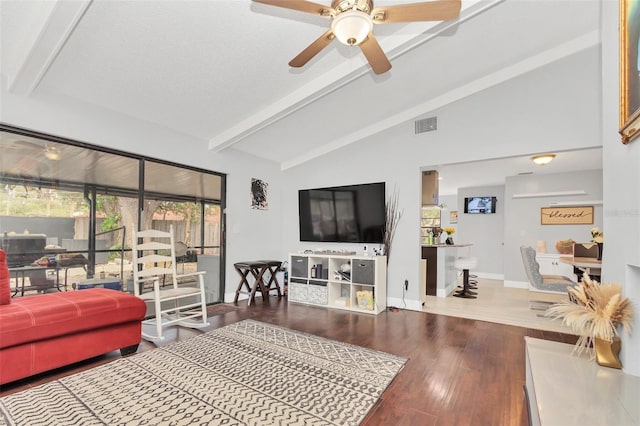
(429, 219)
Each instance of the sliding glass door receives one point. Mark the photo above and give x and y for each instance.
(74, 202)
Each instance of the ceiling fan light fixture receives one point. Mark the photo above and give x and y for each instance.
(543, 159)
(352, 27)
(52, 152)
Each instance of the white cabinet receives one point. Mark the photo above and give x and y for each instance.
(355, 283)
(430, 188)
(550, 265)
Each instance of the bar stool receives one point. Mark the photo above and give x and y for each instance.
(257, 270)
(473, 282)
(272, 284)
(465, 264)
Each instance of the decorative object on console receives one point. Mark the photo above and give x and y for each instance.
(344, 273)
(565, 246)
(541, 246)
(449, 231)
(392, 218)
(598, 237)
(340, 252)
(437, 232)
(597, 312)
(365, 299)
(607, 352)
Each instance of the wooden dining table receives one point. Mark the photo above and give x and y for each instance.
(585, 264)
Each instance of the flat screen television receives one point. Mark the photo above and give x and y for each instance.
(353, 214)
(481, 205)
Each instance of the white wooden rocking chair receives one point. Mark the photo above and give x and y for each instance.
(154, 259)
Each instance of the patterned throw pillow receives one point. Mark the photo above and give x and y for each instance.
(5, 289)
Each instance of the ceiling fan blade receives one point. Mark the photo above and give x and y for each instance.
(375, 55)
(302, 6)
(27, 145)
(439, 10)
(312, 50)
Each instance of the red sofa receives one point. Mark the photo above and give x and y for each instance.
(42, 332)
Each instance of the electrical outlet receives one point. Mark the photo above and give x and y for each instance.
(406, 284)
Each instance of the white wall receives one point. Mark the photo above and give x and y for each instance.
(484, 231)
(621, 176)
(451, 203)
(515, 118)
(522, 223)
(252, 234)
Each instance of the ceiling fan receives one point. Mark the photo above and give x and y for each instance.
(352, 24)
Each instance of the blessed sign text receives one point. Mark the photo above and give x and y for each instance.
(566, 215)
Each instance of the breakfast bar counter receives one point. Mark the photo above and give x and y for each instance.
(439, 275)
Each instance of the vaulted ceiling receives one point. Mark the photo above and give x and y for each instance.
(217, 69)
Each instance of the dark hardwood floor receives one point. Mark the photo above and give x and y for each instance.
(459, 371)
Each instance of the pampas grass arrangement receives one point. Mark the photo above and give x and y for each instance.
(595, 311)
(392, 218)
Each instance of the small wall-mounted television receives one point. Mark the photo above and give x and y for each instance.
(480, 205)
(350, 214)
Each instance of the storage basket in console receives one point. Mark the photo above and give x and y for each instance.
(362, 271)
(299, 266)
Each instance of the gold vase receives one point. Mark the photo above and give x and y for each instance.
(607, 352)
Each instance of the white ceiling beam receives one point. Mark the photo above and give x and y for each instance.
(576, 45)
(396, 45)
(63, 19)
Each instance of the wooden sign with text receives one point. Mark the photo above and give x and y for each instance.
(566, 215)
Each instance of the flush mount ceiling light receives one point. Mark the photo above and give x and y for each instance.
(52, 152)
(352, 24)
(543, 159)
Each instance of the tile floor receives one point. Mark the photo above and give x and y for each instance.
(499, 304)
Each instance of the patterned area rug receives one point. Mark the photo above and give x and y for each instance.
(249, 372)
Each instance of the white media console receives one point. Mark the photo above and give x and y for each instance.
(326, 280)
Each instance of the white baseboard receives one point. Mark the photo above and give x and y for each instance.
(412, 305)
(228, 297)
(447, 291)
(516, 284)
(489, 275)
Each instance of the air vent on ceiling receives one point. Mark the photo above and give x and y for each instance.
(426, 125)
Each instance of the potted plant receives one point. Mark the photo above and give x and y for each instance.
(449, 231)
(597, 237)
(597, 312)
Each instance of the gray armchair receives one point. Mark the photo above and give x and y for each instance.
(542, 283)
